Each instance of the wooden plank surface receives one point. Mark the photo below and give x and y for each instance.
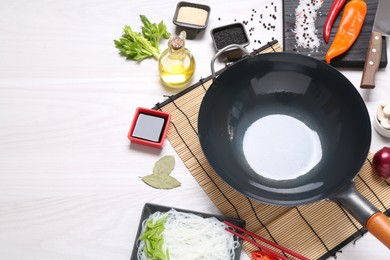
(355, 56)
(70, 183)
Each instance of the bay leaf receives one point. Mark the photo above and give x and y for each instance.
(164, 166)
(159, 181)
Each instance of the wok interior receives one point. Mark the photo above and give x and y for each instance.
(284, 128)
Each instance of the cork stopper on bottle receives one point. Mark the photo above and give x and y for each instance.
(177, 43)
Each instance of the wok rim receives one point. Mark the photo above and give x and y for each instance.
(330, 192)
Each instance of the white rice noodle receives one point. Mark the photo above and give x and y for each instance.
(191, 237)
(305, 28)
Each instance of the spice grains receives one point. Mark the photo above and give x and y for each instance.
(192, 15)
(305, 29)
(229, 35)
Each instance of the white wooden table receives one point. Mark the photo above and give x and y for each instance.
(69, 178)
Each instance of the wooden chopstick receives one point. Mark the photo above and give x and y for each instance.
(284, 249)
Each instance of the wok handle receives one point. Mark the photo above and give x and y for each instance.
(377, 223)
(379, 226)
(231, 46)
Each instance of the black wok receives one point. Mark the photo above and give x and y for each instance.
(287, 129)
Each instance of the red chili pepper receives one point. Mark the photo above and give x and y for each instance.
(333, 12)
(262, 255)
(349, 29)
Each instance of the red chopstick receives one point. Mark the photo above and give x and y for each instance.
(269, 251)
(284, 249)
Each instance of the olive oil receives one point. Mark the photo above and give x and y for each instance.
(176, 64)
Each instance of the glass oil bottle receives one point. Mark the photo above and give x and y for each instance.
(176, 63)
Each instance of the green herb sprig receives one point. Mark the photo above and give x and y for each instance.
(138, 46)
(154, 32)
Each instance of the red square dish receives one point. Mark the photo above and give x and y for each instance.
(149, 127)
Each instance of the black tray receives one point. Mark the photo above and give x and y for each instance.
(354, 57)
(149, 209)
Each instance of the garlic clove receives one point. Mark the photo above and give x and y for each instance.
(379, 114)
(385, 124)
(386, 111)
(385, 116)
(384, 103)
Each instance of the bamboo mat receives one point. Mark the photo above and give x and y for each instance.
(317, 231)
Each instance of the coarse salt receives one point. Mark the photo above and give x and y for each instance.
(192, 15)
(305, 29)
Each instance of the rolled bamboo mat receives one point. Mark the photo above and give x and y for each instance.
(317, 230)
